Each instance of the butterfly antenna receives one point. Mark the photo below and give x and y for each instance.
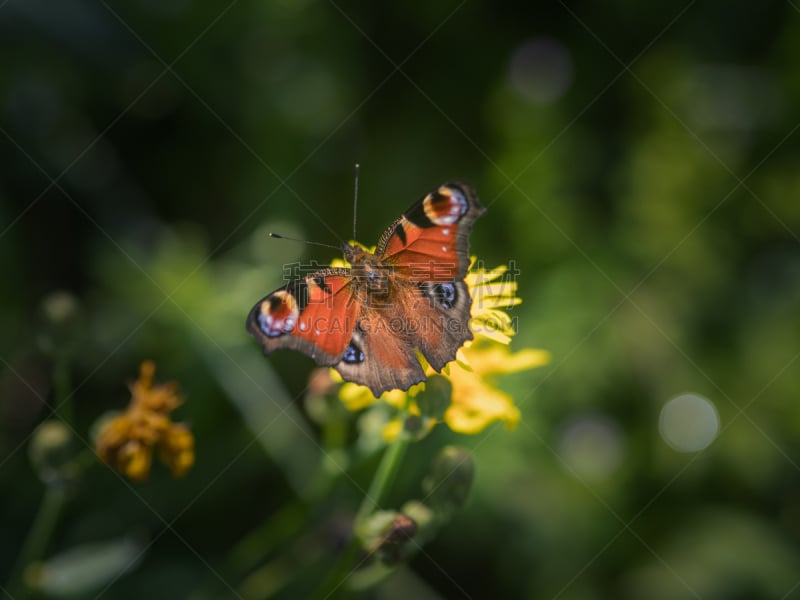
(291, 239)
(355, 200)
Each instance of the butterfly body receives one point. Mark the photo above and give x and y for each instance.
(408, 298)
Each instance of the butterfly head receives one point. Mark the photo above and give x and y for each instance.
(366, 267)
(356, 255)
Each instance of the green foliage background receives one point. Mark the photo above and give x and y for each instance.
(641, 172)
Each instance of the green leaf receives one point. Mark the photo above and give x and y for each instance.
(86, 568)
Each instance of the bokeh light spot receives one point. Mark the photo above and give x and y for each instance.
(688, 423)
(592, 446)
(541, 70)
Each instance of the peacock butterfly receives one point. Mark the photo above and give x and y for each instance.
(369, 322)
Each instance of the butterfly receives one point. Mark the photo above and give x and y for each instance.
(371, 321)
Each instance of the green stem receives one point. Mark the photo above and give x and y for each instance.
(378, 489)
(35, 544)
(390, 464)
(38, 537)
(62, 388)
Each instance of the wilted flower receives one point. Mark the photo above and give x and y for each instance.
(127, 441)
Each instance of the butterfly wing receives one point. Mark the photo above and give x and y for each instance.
(380, 354)
(429, 246)
(443, 316)
(315, 314)
(428, 318)
(371, 327)
(430, 241)
(424, 255)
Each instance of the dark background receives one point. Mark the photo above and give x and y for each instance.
(640, 167)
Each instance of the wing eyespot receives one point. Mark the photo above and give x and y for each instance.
(278, 314)
(445, 294)
(445, 206)
(353, 354)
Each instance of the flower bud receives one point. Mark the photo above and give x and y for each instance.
(450, 478)
(387, 534)
(435, 400)
(394, 544)
(423, 517)
(372, 530)
(60, 323)
(51, 450)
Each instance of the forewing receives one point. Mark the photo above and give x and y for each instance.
(430, 241)
(315, 314)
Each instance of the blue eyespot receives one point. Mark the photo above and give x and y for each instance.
(352, 354)
(445, 294)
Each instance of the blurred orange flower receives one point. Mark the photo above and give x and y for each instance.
(127, 441)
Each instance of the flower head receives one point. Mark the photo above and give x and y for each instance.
(127, 441)
(475, 401)
(491, 291)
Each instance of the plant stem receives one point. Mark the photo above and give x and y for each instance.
(35, 544)
(62, 387)
(390, 463)
(55, 494)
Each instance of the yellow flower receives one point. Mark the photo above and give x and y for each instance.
(489, 296)
(475, 402)
(127, 442)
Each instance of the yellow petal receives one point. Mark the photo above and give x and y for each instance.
(398, 398)
(475, 404)
(176, 449)
(355, 397)
(490, 333)
(498, 288)
(481, 276)
(392, 429)
(134, 460)
(499, 360)
(488, 302)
